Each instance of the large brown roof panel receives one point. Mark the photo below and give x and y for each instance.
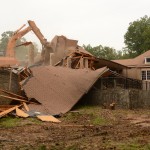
(59, 88)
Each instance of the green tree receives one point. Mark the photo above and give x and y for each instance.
(4, 39)
(137, 37)
(103, 52)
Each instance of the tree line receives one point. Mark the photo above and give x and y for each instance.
(136, 39)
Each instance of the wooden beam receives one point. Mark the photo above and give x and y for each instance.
(68, 62)
(13, 94)
(9, 110)
(77, 65)
(86, 62)
(5, 107)
(81, 63)
(25, 106)
(17, 99)
(10, 79)
(91, 58)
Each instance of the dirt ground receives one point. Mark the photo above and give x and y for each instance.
(84, 128)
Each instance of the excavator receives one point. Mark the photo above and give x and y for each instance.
(46, 46)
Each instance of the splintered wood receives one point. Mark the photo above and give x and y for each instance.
(79, 60)
(6, 109)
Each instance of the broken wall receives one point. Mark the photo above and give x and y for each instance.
(62, 47)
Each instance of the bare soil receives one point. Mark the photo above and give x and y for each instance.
(86, 128)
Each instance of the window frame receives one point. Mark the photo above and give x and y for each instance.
(145, 75)
(146, 62)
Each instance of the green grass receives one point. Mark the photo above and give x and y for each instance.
(9, 122)
(130, 144)
(98, 121)
(62, 146)
(90, 114)
(33, 121)
(42, 147)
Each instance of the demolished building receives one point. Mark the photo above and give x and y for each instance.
(64, 74)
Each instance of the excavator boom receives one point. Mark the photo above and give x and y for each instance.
(37, 32)
(12, 42)
(47, 48)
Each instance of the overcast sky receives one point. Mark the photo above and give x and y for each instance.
(92, 22)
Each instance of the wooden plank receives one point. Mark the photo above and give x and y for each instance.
(10, 79)
(8, 111)
(21, 113)
(86, 62)
(81, 63)
(12, 94)
(13, 98)
(77, 65)
(16, 99)
(25, 106)
(91, 58)
(68, 62)
(5, 107)
(76, 57)
(48, 118)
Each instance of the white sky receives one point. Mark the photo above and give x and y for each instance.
(92, 22)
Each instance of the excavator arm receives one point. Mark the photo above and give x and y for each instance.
(37, 32)
(46, 46)
(12, 41)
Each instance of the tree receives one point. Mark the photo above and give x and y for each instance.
(137, 37)
(103, 52)
(4, 40)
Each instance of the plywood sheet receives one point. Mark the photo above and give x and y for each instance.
(48, 118)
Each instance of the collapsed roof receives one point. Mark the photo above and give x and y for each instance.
(58, 89)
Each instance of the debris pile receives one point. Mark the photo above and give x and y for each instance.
(48, 91)
(21, 109)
